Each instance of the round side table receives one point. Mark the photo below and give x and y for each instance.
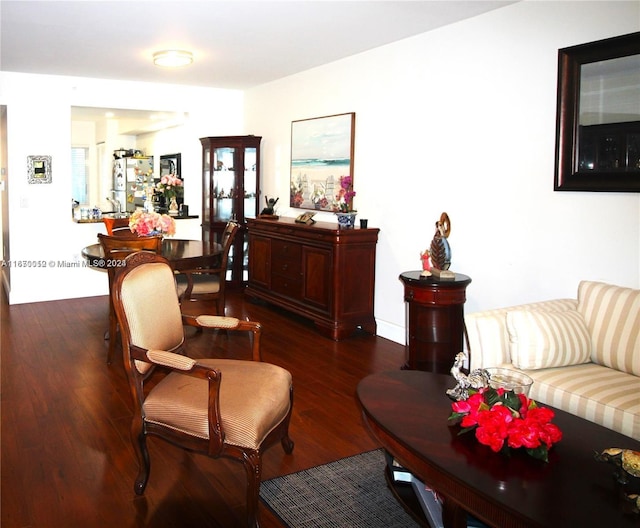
(434, 320)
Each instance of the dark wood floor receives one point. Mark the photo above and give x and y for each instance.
(66, 456)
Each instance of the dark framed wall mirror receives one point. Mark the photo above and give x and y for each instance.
(598, 116)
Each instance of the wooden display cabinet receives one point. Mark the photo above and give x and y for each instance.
(319, 271)
(230, 191)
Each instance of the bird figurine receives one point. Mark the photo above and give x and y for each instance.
(476, 379)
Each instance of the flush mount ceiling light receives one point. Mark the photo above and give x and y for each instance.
(172, 58)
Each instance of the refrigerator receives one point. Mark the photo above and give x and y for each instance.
(131, 175)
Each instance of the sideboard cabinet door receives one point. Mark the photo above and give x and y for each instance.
(260, 260)
(317, 277)
(319, 271)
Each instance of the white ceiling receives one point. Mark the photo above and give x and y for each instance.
(236, 44)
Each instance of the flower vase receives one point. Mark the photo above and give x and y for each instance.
(346, 220)
(173, 207)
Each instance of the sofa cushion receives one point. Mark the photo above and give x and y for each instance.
(540, 339)
(599, 394)
(488, 339)
(612, 315)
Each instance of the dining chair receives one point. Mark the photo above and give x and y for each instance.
(116, 226)
(208, 282)
(217, 407)
(116, 248)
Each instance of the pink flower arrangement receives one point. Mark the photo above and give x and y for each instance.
(170, 186)
(503, 419)
(145, 224)
(344, 199)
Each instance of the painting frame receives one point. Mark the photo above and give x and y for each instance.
(322, 150)
(39, 169)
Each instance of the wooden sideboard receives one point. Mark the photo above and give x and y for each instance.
(319, 271)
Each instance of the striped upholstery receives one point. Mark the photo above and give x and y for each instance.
(612, 315)
(488, 335)
(600, 394)
(144, 317)
(606, 390)
(254, 398)
(547, 339)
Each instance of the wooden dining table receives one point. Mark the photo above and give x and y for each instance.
(181, 254)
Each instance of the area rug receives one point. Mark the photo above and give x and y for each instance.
(351, 492)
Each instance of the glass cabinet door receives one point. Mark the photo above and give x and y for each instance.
(250, 182)
(231, 191)
(224, 184)
(206, 187)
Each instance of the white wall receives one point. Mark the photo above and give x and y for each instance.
(462, 120)
(41, 233)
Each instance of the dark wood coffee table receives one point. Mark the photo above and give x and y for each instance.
(407, 412)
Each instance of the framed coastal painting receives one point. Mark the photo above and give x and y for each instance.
(321, 152)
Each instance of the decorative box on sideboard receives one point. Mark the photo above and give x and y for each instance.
(318, 271)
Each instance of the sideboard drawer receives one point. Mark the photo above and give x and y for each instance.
(285, 250)
(288, 286)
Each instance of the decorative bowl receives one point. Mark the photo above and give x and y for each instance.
(508, 379)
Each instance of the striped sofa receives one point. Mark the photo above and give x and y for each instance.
(583, 354)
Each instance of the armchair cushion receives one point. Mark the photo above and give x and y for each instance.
(540, 339)
(254, 399)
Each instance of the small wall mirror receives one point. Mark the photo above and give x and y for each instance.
(598, 116)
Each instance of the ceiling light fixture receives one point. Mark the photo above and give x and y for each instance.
(172, 58)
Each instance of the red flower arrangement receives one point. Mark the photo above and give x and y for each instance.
(503, 419)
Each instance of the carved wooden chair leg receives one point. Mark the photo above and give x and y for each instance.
(144, 463)
(287, 444)
(253, 468)
(285, 441)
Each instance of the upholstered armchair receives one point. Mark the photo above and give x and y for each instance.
(216, 407)
(208, 282)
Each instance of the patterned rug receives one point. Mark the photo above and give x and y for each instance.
(351, 492)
